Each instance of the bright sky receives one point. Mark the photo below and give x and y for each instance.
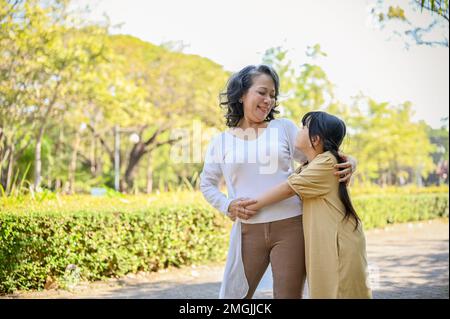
(235, 33)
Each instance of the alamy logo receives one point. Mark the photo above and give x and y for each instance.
(250, 146)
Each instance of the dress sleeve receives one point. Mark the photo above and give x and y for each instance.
(291, 131)
(314, 179)
(210, 178)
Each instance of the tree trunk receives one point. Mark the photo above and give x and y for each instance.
(73, 163)
(135, 156)
(149, 175)
(2, 157)
(58, 155)
(37, 158)
(92, 155)
(37, 163)
(98, 160)
(380, 175)
(58, 184)
(9, 174)
(389, 177)
(4, 168)
(139, 150)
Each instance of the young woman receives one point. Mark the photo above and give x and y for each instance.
(335, 246)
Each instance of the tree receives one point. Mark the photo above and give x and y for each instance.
(439, 7)
(303, 88)
(439, 138)
(407, 21)
(174, 90)
(15, 123)
(45, 53)
(390, 148)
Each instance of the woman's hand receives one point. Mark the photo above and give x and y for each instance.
(345, 170)
(237, 209)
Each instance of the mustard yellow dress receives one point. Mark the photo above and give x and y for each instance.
(335, 254)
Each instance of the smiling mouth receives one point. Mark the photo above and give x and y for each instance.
(264, 109)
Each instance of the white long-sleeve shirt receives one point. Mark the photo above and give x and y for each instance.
(250, 168)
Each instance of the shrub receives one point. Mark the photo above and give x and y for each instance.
(113, 236)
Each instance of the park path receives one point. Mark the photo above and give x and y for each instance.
(406, 261)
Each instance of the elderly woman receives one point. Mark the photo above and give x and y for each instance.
(254, 155)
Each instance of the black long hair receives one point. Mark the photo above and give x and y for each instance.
(331, 131)
(238, 85)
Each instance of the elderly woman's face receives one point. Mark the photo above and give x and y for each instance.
(259, 99)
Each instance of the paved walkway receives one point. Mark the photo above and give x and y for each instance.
(405, 260)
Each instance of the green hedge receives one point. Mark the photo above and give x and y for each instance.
(38, 244)
(380, 210)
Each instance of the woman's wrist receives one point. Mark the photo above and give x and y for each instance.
(254, 206)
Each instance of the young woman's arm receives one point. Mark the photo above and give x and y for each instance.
(273, 196)
(311, 182)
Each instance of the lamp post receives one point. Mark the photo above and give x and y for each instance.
(134, 138)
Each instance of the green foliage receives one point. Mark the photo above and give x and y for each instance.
(416, 21)
(439, 137)
(111, 242)
(379, 210)
(66, 83)
(63, 80)
(378, 139)
(395, 190)
(303, 88)
(438, 7)
(109, 237)
(390, 147)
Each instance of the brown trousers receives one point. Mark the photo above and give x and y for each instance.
(281, 243)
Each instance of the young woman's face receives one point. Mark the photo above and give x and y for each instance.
(259, 99)
(302, 142)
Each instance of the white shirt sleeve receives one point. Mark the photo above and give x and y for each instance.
(211, 176)
(291, 131)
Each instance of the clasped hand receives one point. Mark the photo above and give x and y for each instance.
(242, 207)
(238, 209)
